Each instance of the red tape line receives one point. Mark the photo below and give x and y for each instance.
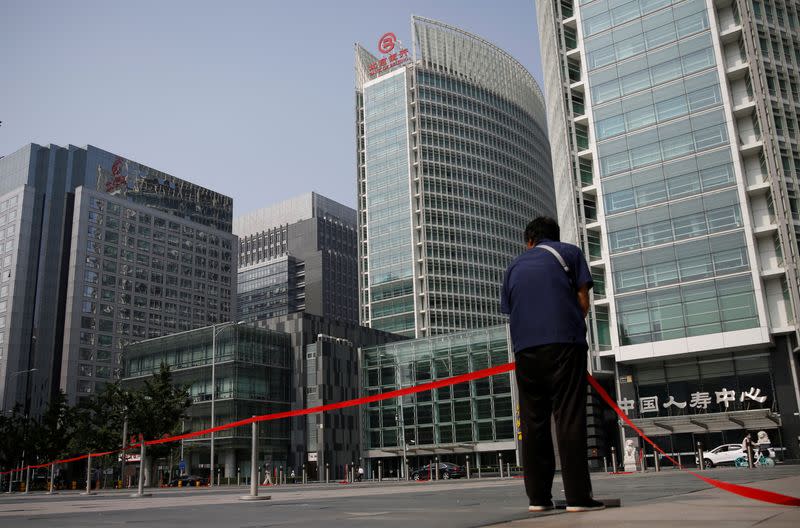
(744, 491)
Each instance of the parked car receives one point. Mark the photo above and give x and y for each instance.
(446, 471)
(188, 481)
(727, 454)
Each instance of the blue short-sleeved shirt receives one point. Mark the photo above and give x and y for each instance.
(541, 298)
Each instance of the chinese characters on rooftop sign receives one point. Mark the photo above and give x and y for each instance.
(392, 58)
(698, 401)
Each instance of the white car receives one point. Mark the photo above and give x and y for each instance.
(727, 454)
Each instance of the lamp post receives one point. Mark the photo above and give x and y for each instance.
(215, 330)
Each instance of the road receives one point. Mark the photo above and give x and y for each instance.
(465, 503)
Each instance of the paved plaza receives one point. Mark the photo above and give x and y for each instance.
(669, 498)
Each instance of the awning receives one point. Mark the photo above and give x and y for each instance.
(709, 423)
(413, 450)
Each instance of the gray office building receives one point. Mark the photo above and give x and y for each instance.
(100, 251)
(325, 369)
(673, 127)
(298, 255)
(453, 162)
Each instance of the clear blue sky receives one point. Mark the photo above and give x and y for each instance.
(253, 99)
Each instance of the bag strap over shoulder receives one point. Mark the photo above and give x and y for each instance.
(557, 255)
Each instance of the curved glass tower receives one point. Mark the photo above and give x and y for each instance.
(453, 161)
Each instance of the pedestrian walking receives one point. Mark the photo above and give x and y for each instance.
(267, 476)
(546, 294)
(360, 473)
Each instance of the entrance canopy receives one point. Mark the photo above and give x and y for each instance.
(755, 419)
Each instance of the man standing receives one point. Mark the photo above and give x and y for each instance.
(546, 294)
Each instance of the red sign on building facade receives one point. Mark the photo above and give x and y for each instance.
(386, 45)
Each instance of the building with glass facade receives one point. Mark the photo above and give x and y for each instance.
(472, 421)
(99, 251)
(253, 371)
(453, 162)
(672, 127)
(298, 255)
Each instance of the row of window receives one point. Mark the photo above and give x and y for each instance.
(665, 27)
(670, 181)
(669, 102)
(601, 16)
(689, 261)
(666, 142)
(688, 310)
(667, 64)
(676, 221)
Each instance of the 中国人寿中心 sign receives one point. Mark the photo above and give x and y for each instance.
(392, 57)
(698, 401)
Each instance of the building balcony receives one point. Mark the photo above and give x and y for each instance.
(744, 109)
(578, 86)
(730, 33)
(585, 153)
(581, 119)
(764, 230)
(570, 22)
(769, 273)
(573, 53)
(738, 69)
(597, 263)
(751, 145)
(590, 189)
(758, 189)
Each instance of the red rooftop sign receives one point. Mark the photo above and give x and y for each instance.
(386, 45)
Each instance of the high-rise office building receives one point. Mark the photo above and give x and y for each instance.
(673, 127)
(100, 251)
(453, 162)
(298, 255)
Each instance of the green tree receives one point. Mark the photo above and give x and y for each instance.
(13, 435)
(51, 435)
(156, 411)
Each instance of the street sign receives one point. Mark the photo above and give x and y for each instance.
(182, 466)
(312, 457)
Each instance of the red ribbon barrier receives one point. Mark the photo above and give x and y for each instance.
(744, 491)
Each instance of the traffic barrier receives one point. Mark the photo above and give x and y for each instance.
(744, 491)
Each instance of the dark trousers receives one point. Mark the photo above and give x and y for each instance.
(551, 380)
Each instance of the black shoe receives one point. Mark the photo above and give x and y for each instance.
(537, 508)
(591, 505)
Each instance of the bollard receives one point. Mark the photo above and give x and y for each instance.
(479, 469)
(380, 470)
(468, 477)
(605, 465)
(304, 474)
(613, 459)
(255, 471)
(508, 469)
(437, 468)
(280, 476)
(327, 473)
(501, 465)
(52, 479)
(656, 461)
(238, 477)
(28, 480)
(750, 458)
(140, 493)
(430, 469)
(88, 475)
(701, 463)
(218, 475)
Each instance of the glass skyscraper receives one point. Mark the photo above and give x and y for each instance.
(453, 162)
(673, 131)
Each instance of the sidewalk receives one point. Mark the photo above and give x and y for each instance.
(702, 509)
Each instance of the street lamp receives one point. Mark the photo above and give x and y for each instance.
(216, 329)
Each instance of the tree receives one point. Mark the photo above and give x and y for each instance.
(13, 435)
(156, 411)
(51, 436)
